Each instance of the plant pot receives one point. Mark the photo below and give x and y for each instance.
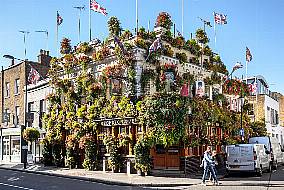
(139, 172)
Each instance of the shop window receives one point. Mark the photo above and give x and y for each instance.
(15, 148)
(6, 146)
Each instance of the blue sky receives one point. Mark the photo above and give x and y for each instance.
(257, 24)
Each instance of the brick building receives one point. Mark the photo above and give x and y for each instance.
(12, 102)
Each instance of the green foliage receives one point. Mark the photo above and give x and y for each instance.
(201, 36)
(181, 57)
(165, 115)
(142, 155)
(114, 26)
(47, 152)
(192, 46)
(91, 153)
(258, 128)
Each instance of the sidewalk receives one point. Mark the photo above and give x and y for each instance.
(103, 177)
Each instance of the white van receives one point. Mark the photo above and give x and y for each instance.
(273, 146)
(247, 158)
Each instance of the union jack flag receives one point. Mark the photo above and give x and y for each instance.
(34, 76)
(253, 88)
(120, 45)
(97, 7)
(220, 18)
(59, 19)
(157, 44)
(248, 55)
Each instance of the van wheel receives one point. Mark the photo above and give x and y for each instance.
(269, 170)
(259, 172)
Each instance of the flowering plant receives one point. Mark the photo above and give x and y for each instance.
(164, 20)
(168, 67)
(236, 87)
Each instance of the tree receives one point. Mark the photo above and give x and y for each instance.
(114, 26)
(258, 128)
(201, 36)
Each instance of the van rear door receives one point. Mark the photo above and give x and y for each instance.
(240, 157)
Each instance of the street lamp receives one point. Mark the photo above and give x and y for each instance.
(23, 142)
(241, 99)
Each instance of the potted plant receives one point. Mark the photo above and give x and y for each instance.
(142, 157)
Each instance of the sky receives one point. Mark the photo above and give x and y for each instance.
(257, 24)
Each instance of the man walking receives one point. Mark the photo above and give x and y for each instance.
(208, 166)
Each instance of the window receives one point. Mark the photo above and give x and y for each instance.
(268, 115)
(17, 86)
(6, 116)
(30, 106)
(17, 115)
(7, 86)
(42, 106)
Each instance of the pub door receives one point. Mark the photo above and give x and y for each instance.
(166, 158)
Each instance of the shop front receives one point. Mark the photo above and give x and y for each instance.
(11, 144)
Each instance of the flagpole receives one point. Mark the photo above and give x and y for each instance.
(57, 35)
(136, 17)
(148, 26)
(246, 72)
(215, 36)
(182, 15)
(90, 30)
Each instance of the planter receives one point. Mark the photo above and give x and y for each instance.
(140, 173)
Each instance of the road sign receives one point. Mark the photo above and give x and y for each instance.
(242, 132)
(25, 147)
(6, 117)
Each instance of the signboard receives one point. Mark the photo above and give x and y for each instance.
(6, 117)
(11, 131)
(200, 88)
(25, 147)
(242, 132)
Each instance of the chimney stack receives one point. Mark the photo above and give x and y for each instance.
(44, 58)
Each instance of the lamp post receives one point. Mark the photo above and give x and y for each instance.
(23, 142)
(241, 98)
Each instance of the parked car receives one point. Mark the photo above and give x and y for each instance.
(276, 155)
(247, 158)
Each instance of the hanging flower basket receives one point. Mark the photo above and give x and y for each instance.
(31, 134)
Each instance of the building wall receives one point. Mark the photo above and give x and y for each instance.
(10, 75)
(281, 110)
(36, 93)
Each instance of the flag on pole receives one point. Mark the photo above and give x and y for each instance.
(253, 88)
(34, 76)
(220, 18)
(157, 44)
(248, 55)
(120, 45)
(59, 19)
(237, 66)
(179, 34)
(97, 7)
(184, 91)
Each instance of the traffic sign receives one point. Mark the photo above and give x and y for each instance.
(25, 147)
(242, 132)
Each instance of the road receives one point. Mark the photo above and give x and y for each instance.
(248, 182)
(14, 180)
